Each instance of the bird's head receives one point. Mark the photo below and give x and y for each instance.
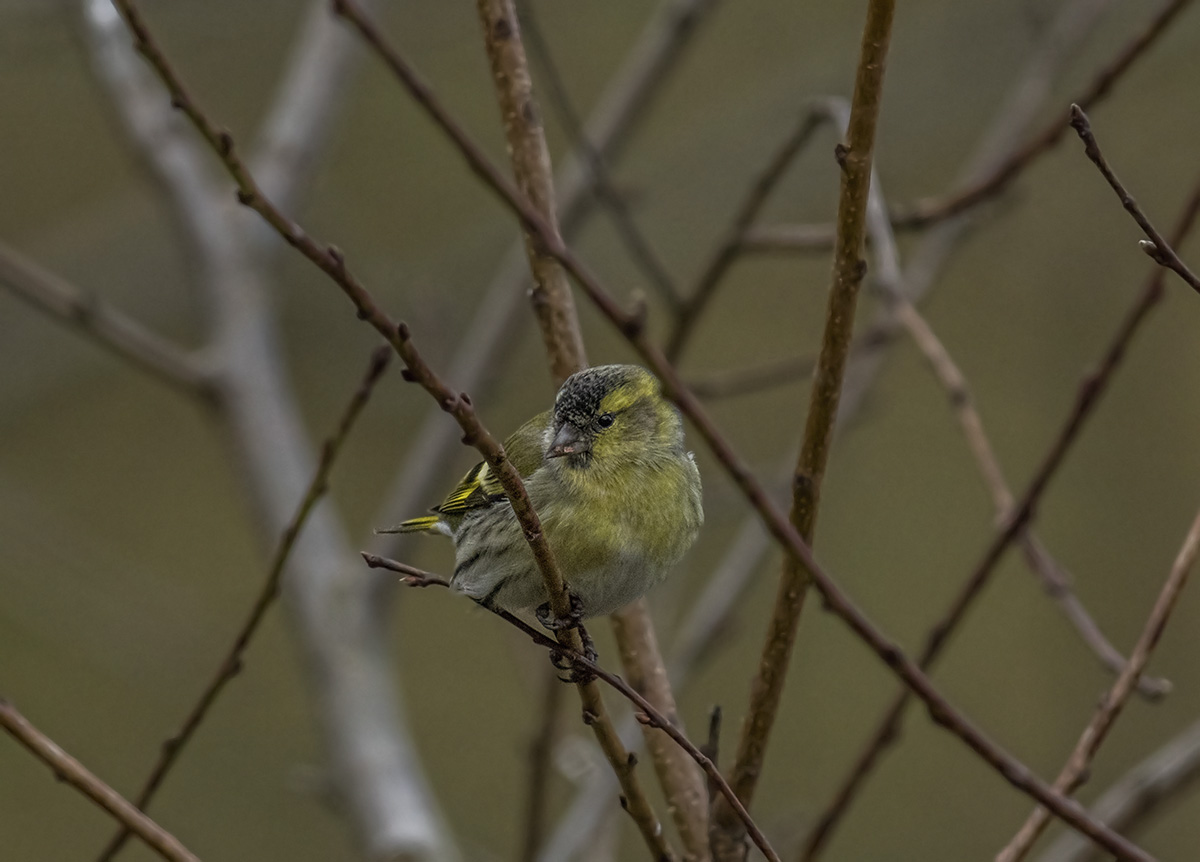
(609, 416)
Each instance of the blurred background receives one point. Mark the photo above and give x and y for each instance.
(128, 554)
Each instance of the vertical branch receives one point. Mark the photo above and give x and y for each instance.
(682, 783)
(552, 301)
(1078, 764)
(854, 157)
(681, 780)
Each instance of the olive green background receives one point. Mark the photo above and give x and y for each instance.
(127, 557)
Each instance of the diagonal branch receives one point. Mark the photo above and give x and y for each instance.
(104, 325)
(1141, 792)
(415, 577)
(233, 662)
(1078, 764)
(631, 325)
(1158, 249)
(67, 768)
(998, 178)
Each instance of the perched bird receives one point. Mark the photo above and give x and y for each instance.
(617, 494)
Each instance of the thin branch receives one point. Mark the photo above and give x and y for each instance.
(888, 278)
(1141, 792)
(649, 714)
(637, 245)
(789, 238)
(734, 382)
(640, 77)
(304, 109)
(1092, 388)
(551, 295)
(104, 325)
(541, 759)
(682, 786)
(67, 768)
(996, 180)
(1079, 763)
(632, 326)
(345, 648)
(730, 245)
(1158, 249)
(855, 159)
(1038, 558)
(234, 660)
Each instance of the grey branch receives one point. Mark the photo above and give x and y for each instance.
(346, 647)
(103, 324)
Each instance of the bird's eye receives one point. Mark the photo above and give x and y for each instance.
(606, 420)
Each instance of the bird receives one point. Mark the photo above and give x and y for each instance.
(617, 493)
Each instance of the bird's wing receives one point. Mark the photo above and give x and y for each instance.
(481, 486)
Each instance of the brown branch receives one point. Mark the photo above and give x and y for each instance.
(541, 756)
(1086, 400)
(789, 238)
(1158, 249)
(596, 715)
(734, 382)
(855, 158)
(642, 74)
(1139, 793)
(1038, 558)
(631, 325)
(683, 785)
(551, 296)
(649, 714)
(233, 662)
(730, 245)
(638, 247)
(995, 181)
(104, 325)
(67, 768)
(1078, 764)
(555, 310)
(889, 280)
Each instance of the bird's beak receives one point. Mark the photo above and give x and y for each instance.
(568, 441)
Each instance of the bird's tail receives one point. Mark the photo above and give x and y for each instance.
(424, 524)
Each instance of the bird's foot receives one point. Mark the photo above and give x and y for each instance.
(573, 620)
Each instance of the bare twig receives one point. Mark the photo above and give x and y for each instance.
(997, 179)
(632, 326)
(541, 756)
(641, 75)
(855, 158)
(104, 325)
(1078, 764)
(551, 296)
(346, 651)
(303, 112)
(1141, 792)
(1086, 400)
(889, 280)
(67, 768)
(232, 664)
(1158, 249)
(730, 245)
(789, 238)
(638, 247)
(682, 784)
(650, 715)
(1036, 556)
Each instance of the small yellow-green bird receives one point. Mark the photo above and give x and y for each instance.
(618, 497)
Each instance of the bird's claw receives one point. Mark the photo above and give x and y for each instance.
(573, 620)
